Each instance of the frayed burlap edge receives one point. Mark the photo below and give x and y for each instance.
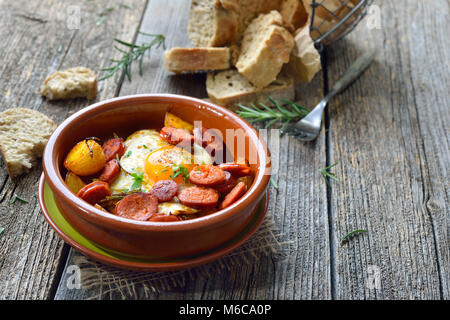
(103, 282)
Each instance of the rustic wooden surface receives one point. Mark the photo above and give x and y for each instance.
(388, 134)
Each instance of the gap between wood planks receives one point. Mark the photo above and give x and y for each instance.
(323, 59)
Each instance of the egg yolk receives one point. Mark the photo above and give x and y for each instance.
(164, 163)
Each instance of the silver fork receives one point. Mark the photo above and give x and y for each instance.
(308, 128)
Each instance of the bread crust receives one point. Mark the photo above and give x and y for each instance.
(179, 60)
(23, 135)
(266, 46)
(282, 88)
(78, 82)
(224, 24)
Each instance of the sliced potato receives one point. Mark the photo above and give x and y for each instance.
(74, 182)
(85, 158)
(171, 120)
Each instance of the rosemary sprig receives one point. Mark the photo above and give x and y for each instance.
(134, 53)
(325, 172)
(269, 116)
(348, 235)
(16, 197)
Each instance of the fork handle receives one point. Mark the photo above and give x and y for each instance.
(352, 73)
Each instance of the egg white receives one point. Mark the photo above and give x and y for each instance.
(137, 148)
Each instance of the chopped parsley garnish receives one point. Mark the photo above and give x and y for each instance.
(128, 154)
(138, 178)
(180, 170)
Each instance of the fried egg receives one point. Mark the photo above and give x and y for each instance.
(148, 159)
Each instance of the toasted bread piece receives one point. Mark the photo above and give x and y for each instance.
(23, 136)
(197, 59)
(305, 59)
(78, 82)
(265, 47)
(228, 88)
(250, 9)
(213, 23)
(294, 12)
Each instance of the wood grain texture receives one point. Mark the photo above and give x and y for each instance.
(301, 270)
(37, 39)
(389, 134)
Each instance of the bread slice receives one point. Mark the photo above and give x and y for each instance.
(250, 9)
(265, 47)
(228, 88)
(305, 59)
(213, 23)
(78, 82)
(23, 136)
(294, 12)
(197, 59)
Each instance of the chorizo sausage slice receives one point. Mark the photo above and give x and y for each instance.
(207, 175)
(137, 206)
(164, 190)
(176, 136)
(94, 192)
(111, 171)
(162, 217)
(227, 185)
(234, 195)
(207, 139)
(236, 169)
(199, 197)
(113, 147)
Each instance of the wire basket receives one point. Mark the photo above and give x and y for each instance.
(332, 20)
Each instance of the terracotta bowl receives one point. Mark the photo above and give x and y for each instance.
(123, 116)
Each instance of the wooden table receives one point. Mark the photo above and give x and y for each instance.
(388, 134)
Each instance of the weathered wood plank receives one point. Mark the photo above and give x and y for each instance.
(299, 207)
(37, 39)
(389, 135)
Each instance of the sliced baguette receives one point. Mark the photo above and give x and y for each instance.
(78, 82)
(197, 59)
(228, 88)
(266, 46)
(213, 23)
(23, 136)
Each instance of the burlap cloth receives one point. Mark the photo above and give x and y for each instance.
(100, 281)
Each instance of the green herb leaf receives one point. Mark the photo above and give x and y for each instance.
(134, 53)
(270, 116)
(138, 179)
(128, 154)
(325, 172)
(180, 170)
(274, 184)
(348, 235)
(1, 230)
(16, 197)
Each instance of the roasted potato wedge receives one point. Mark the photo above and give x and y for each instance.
(74, 182)
(86, 158)
(171, 120)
